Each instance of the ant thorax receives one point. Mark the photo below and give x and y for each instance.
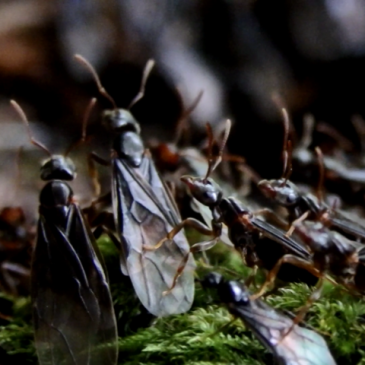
(58, 167)
(119, 120)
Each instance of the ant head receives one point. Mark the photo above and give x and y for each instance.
(206, 191)
(281, 191)
(118, 119)
(228, 291)
(234, 292)
(58, 167)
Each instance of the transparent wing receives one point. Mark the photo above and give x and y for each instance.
(69, 293)
(348, 226)
(278, 235)
(300, 347)
(145, 214)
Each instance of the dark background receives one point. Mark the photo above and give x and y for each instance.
(310, 53)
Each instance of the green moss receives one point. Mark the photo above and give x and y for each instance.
(203, 336)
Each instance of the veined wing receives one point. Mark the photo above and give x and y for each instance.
(347, 225)
(300, 347)
(278, 235)
(66, 309)
(270, 231)
(106, 338)
(144, 216)
(157, 189)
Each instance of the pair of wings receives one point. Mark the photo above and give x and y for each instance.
(73, 312)
(301, 346)
(145, 212)
(268, 230)
(339, 221)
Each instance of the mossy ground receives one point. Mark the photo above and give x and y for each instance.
(203, 336)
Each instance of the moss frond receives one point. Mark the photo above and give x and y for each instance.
(204, 335)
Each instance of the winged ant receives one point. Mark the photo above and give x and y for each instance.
(300, 346)
(244, 228)
(73, 314)
(332, 256)
(306, 206)
(144, 212)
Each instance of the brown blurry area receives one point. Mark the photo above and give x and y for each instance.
(240, 53)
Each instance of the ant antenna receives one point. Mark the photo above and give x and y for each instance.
(213, 163)
(289, 168)
(184, 115)
(84, 62)
(321, 174)
(146, 72)
(23, 117)
(87, 113)
(287, 147)
(210, 149)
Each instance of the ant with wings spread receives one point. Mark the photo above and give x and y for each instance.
(74, 320)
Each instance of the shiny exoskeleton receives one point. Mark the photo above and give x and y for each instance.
(331, 254)
(73, 314)
(305, 206)
(286, 194)
(144, 212)
(335, 255)
(245, 230)
(72, 306)
(298, 347)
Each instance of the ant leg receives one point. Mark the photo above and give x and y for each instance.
(296, 222)
(198, 247)
(251, 278)
(189, 222)
(91, 158)
(316, 294)
(171, 186)
(104, 223)
(272, 216)
(103, 228)
(92, 212)
(288, 259)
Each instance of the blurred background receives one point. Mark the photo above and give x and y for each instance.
(244, 54)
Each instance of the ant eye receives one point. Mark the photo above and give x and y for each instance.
(207, 195)
(291, 198)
